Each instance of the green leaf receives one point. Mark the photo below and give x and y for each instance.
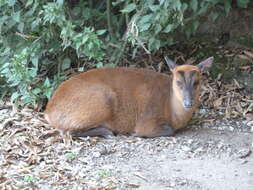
(66, 63)
(215, 15)
(203, 8)
(21, 134)
(188, 32)
(176, 4)
(200, 54)
(110, 65)
(129, 8)
(29, 178)
(100, 32)
(227, 5)
(99, 65)
(60, 2)
(6, 65)
(117, 2)
(168, 28)
(28, 3)
(3, 19)
(5, 71)
(104, 173)
(157, 17)
(195, 25)
(36, 91)
(184, 6)
(157, 44)
(162, 2)
(158, 28)
(243, 3)
(146, 18)
(90, 46)
(16, 16)
(46, 83)
(194, 5)
(27, 99)
(32, 72)
(21, 26)
(35, 61)
(14, 96)
(84, 40)
(154, 44)
(144, 27)
(80, 69)
(48, 93)
(70, 155)
(154, 8)
(11, 2)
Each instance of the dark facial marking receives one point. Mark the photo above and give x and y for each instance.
(188, 90)
(188, 81)
(182, 74)
(192, 73)
(180, 84)
(195, 83)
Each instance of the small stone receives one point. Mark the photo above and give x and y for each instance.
(200, 149)
(202, 111)
(250, 173)
(183, 182)
(133, 185)
(244, 153)
(96, 154)
(220, 146)
(104, 151)
(163, 157)
(245, 122)
(186, 148)
(250, 123)
(108, 167)
(172, 184)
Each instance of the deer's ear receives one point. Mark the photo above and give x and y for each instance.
(171, 64)
(205, 65)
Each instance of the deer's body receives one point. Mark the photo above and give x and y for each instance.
(122, 100)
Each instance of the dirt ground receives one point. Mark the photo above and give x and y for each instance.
(211, 155)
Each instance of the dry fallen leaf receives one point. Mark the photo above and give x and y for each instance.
(218, 102)
(244, 57)
(248, 53)
(245, 67)
(249, 116)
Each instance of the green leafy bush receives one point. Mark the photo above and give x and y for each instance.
(41, 42)
(151, 20)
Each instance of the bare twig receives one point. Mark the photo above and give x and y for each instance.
(109, 18)
(25, 36)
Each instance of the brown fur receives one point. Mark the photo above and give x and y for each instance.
(124, 100)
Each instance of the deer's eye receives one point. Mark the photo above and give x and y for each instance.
(179, 84)
(196, 83)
